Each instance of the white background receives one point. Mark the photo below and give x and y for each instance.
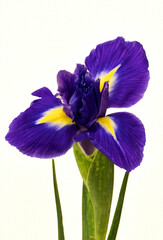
(37, 39)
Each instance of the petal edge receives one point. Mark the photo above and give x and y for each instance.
(126, 151)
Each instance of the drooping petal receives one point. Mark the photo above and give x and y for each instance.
(66, 85)
(125, 66)
(43, 130)
(121, 137)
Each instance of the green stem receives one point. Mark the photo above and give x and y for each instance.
(118, 211)
(58, 205)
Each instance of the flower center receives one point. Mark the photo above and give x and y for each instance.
(83, 101)
(84, 81)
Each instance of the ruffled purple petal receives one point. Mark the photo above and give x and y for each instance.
(85, 101)
(66, 85)
(131, 77)
(44, 139)
(122, 140)
(89, 110)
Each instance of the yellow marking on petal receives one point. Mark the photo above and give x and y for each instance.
(55, 116)
(108, 124)
(110, 77)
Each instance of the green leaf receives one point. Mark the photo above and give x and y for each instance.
(100, 184)
(58, 205)
(97, 172)
(87, 216)
(117, 214)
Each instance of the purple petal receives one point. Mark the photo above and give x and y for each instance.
(81, 135)
(104, 100)
(80, 70)
(42, 92)
(121, 137)
(85, 101)
(36, 136)
(89, 110)
(131, 77)
(66, 85)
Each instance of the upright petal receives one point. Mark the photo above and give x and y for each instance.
(125, 66)
(104, 100)
(85, 101)
(66, 85)
(121, 137)
(43, 130)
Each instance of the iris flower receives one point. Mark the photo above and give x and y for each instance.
(116, 75)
